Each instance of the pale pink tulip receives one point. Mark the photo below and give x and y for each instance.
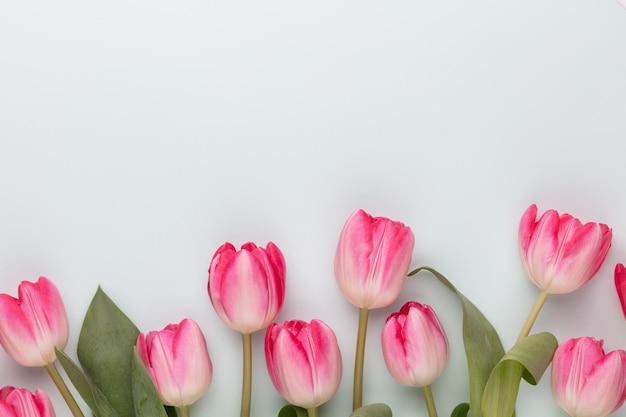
(19, 402)
(303, 361)
(372, 259)
(620, 285)
(559, 253)
(33, 324)
(622, 2)
(585, 381)
(415, 347)
(178, 362)
(247, 287)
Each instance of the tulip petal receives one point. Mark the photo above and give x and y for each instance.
(620, 285)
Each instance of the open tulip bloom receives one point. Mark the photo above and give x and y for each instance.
(415, 348)
(123, 372)
(559, 253)
(585, 381)
(247, 290)
(19, 402)
(178, 362)
(304, 362)
(32, 326)
(371, 264)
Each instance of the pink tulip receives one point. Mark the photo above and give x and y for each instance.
(585, 381)
(372, 259)
(559, 253)
(303, 361)
(620, 285)
(178, 362)
(19, 402)
(247, 287)
(34, 323)
(415, 347)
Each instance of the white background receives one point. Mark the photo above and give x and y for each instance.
(138, 136)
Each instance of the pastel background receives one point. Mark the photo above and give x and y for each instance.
(137, 136)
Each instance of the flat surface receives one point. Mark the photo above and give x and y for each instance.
(138, 136)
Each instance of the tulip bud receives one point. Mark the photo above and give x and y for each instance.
(415, 347)
(372, 259)
(247, 287)
(587, 382)
(19, 402)
(620, 285)
(33, 324)
(178, 362)
(559, 253)
(303, 361)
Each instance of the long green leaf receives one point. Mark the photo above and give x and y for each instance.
(92, 396)
(105, 350)
(528, 359)
(145, 397)
(483, 348)
(372, 410)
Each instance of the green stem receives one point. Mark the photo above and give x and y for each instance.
(357, 394)
(430, 401)
(246, 388)
(313, 411)
(184, 411)
(62, 387)
(534, 312)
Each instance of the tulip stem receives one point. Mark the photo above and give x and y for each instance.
(246, 388)
(62, 387)
(184, 411)
(313, 412)
(357, 394)
(430, 401)
(534, 312)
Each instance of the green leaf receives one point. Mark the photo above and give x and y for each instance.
(292, 411)
(461, 410)
(92, 396)
(372, 410)
(105, 350)
(145, 396)
(483, 348)
(528, 359)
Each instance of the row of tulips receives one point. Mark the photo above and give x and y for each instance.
(247, 287)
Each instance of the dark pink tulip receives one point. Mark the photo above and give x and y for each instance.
(587, 382)
(559, 253)
(415, 347)
(620, 285)
(178, 362)
(34, 323)
(19, 402)
(372, 259)
(303, 361)
(247, 287)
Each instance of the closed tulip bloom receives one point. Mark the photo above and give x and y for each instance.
(178, 362)
(585, 381)
(372, 259)
(303, 361)
(247, 287)
(559, 253)
(620, 285)
(415, 347)
(33, 324)
(19, 402)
